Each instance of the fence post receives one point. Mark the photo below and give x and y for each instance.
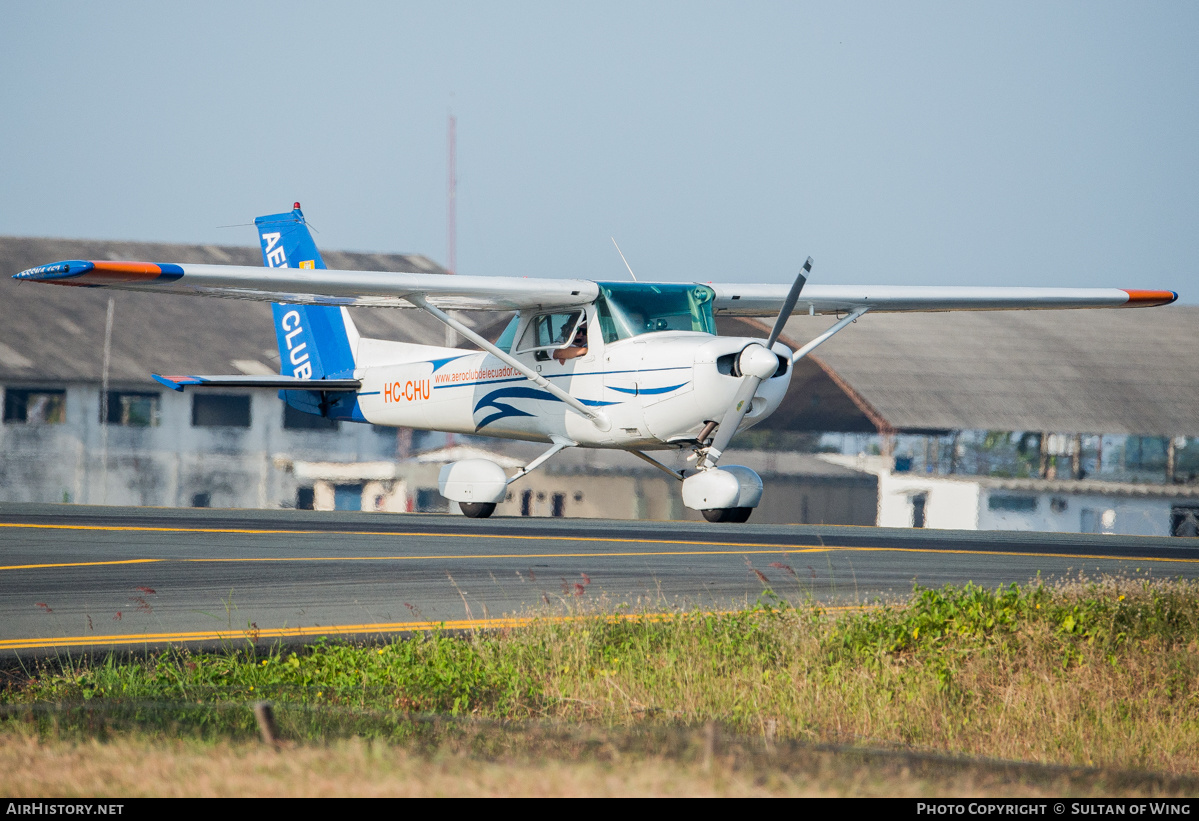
(266, 723)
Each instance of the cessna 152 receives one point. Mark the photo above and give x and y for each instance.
(630, 365)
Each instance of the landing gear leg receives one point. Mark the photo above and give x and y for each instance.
(477, 510)
(728, 514)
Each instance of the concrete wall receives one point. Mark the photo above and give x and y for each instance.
(949, 504)
(818, 500)
(1081, 513)
(174, 462)
(611, 496)
(967, 505)
(786, 499)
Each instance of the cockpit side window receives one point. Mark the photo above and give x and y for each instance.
(504, 343)
(550, 331)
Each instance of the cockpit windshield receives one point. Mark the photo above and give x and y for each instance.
(627, 309)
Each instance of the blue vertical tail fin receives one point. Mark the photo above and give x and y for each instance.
(315, 341)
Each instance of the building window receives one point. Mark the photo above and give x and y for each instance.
(1019, 504)
(347, 497)
(133, 408)
(1184, 520)
(428, 500)
(296, 419)
(220, 411)
(1145, 452)
(35, 406)
(919, 506)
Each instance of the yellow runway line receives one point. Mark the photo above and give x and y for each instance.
(376, 534)
(753, 550)
(82, 564)
(782, 551)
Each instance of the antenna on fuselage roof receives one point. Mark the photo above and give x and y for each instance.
(625, 261)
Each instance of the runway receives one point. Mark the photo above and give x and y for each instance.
(78, 578)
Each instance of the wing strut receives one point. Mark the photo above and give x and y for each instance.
(658, 465)
(597, 417)
(824, 337)
(560, 443)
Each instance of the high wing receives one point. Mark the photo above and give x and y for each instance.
(320, 287)
(768, 300)
(385, 289)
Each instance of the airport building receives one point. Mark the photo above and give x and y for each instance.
(1091, 414)
(1068, 421)
(84, 422)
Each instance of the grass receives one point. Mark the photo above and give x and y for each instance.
(1093, 673)
(573, 762)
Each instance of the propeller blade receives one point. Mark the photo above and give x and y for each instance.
(789, 304)
(755, 363)
(731, 420)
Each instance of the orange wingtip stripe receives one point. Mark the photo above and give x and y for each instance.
(124, 271)
(1147, 299)
(128, 267)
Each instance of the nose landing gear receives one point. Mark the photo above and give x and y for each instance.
(728, 514)
(477, 510)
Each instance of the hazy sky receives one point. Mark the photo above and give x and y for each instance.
(1043, 143)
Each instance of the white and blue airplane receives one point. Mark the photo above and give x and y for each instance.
(636, 366)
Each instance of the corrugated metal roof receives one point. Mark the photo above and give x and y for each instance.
(1131, 371)
(57, 334)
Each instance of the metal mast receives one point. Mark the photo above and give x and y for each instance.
(451, 227)
(452, 197)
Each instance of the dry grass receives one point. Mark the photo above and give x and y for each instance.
(30, 768)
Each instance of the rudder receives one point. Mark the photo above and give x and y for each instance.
(315, 341)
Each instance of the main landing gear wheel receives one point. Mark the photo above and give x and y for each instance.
(479, 510)
(728, 514)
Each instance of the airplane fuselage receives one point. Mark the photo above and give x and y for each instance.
(658, 390)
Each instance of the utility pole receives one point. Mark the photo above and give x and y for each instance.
(452, 195)
(451, 227)
(451, 212)
(104, 402)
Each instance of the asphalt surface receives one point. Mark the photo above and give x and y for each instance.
(90, 578)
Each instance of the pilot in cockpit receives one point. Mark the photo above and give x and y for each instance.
(576, 348)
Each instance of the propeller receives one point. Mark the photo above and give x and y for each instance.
(756, 362)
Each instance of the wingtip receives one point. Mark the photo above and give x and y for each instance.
(1149, 299)
(101, 272)
(57, 270)
(175, 383)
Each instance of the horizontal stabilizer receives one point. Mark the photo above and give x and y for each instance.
(288, 383)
